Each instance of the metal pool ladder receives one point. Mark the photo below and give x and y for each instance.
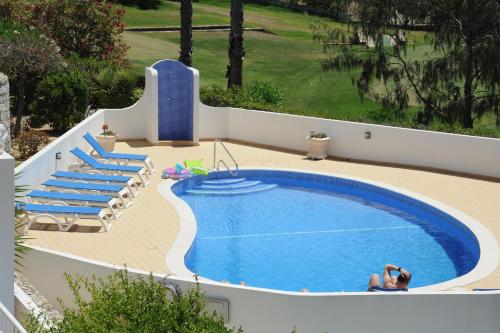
(217, 163)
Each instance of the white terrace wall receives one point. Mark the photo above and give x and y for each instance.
(40, 166)
(7, 231)
(139, 121)
(459, 153)
(260, 311)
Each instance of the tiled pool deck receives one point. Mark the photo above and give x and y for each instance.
(146, 231)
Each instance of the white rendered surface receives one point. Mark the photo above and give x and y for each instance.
(261, 311)
(7, 231)
(40, 166)
(459, 153)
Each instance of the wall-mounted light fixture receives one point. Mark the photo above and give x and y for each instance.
(58, 155)
(368, 135)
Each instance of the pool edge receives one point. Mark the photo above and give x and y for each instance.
(488, 245)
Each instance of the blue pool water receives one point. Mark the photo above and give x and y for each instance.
(289, 231)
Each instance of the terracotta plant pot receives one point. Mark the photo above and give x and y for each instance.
(317, 147)
(107, 141)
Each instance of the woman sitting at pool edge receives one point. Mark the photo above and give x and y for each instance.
(391, 282)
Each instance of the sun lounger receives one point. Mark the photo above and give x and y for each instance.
(116, 191)
(93, 164)
(196, 167)
(65, 216)
(99, 178)
(94, 200)
(126, 158)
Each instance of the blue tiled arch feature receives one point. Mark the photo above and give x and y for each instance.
(175, 100)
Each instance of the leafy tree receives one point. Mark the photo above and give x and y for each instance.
(457, 82)
(186, 33)
(148, 4)
(236, 51)
(25, 56)
(88, 28)
(61, 99)
(122, 303)
(331, 5)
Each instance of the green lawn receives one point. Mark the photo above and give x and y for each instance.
(288, 57)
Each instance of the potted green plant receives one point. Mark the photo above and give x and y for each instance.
(316, 145)
(107, 138)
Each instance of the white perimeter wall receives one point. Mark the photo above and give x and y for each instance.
(7, 231)
(264, 312)
(459, 153)
(40, 166)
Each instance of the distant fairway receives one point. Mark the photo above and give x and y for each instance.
(288, 56)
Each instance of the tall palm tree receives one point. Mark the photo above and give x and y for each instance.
(236, 51)
(186, 33)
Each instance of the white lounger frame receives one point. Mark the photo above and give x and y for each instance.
(131, 184)
(142, 174)
(69, 219)
(148, 163)
(124, 192)
(112, 205)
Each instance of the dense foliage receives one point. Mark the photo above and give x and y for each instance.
(457, 82)
(142, 4)
(221, 97)
(98, 33)
(25, 56)
(61, 99)
(62, 56)
(115, 88)
(261, 95)
(122, 303)
(329, 5)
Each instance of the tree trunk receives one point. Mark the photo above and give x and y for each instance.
(21, 104)
(186, 33)
(236, 51)
(467, 121)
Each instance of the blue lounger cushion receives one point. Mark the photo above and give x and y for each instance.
(70, 196)
(97, 165)
(86, 176)
(83, 186)
(387, 289)
(105, 154)
(40, 208)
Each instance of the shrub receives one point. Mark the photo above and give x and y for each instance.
(261, 95)
(115, 88)
(98, 33)
(148, 4)
(265, 92)
(25, 56)
(61, 99)
(121, 303)
(219, 96)
(29, 141)
(127, 2)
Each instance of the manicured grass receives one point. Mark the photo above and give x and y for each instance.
(288, 57)
(293, 66)
(168, 15)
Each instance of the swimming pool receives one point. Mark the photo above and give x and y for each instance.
(291, 230)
